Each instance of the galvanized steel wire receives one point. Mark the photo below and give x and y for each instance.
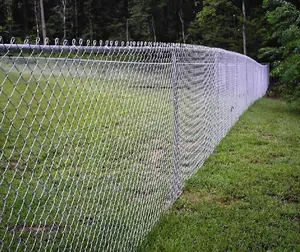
(97, 139)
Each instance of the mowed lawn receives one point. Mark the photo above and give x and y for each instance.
(246, 197)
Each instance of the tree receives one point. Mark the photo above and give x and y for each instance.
(218, 24)
(161, 20)
(64, 7)
(36, 15)
(244, 27)
(9, 14)
(43, 20)
(181, 17)
(142, 21)
(282, 48)
(25, 18)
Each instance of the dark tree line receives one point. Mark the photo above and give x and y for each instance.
(161, 20)
(187, 21)
(270, 29)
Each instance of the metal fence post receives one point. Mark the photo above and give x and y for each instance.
(219, 83)
(177, 184)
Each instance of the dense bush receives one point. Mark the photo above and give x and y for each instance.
(283, 49)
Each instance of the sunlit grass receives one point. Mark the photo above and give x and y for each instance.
(246, 196)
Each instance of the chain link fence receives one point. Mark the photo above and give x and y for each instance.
(98, 139)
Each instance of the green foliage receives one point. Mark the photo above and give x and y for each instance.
(256, 28)
(283, 47)
(140, 19)
(218, 24)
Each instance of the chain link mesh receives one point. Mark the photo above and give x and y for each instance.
(97, 141)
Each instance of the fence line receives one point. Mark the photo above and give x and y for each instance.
(97, 141)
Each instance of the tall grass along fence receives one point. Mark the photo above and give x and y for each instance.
(97, 139)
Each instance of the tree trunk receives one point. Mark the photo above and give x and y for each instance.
(182, 25)
(43, 21)
(127, 29)
(181, 18)
(153, 29)
(9, 14)
(36, 19)
(244, 27)
(64, 3)
(126, 15)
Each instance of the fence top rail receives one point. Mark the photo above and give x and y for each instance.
(115, 46)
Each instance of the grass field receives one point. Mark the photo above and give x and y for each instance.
(78, 161)
(88, 154)
(246, 197)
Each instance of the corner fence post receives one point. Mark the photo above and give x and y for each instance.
(176, 183)
(268, 77)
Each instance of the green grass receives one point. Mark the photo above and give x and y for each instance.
(79, 159)
(246, 197)
(69, 148)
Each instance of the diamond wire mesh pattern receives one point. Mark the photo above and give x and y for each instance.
(97, 140)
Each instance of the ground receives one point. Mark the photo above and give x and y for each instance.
(246, 196)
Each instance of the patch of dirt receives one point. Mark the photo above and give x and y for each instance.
(14, 165)
(267, 135)
(275, 155)
(292, 199)
(229, 201)
(255, 161)
(197, 197)
(40, 228)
